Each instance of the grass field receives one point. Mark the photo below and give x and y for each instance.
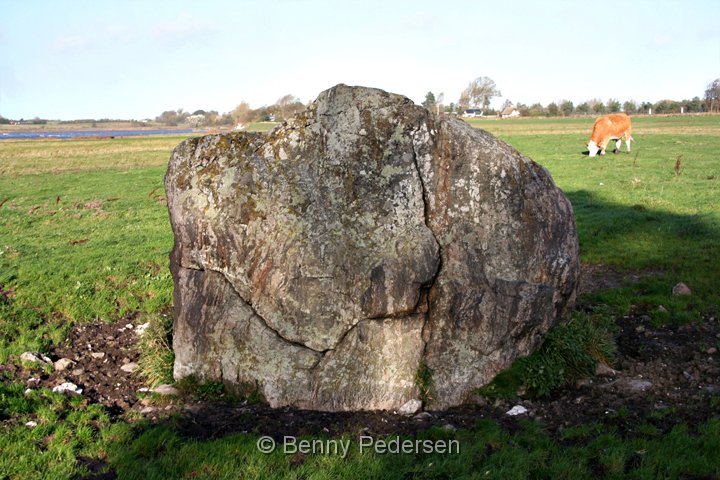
(85, 236)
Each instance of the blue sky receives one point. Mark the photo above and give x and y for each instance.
(66, 60)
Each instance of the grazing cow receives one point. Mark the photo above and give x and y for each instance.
(615, 126)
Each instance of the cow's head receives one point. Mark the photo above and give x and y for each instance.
(592, 148)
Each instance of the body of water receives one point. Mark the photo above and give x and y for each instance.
(90, 133)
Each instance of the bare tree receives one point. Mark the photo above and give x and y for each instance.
(479, 93)
(285, 105)
(712, 96)
(438, 103)
(242, 113)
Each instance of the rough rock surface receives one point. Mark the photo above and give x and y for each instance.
(330, 262)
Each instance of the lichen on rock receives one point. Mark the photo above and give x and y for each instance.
(325, 262)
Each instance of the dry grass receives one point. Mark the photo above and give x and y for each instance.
(23, 157)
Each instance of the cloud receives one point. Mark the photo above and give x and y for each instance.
(69, 43)
(182, 29)
(661, 40)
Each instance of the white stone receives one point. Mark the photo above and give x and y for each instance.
(31, 424)
(411, 407)
(517, 410)
(67, 387)
(140, 329)
(31, 357)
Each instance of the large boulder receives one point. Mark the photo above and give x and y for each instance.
(363, 254)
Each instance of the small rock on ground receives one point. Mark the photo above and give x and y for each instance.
(410, 407)
(166, 389)
(63, 364)
(129, 367)
(681, 289)
(602, 370)
(517, 410)
(31, 357)
(67, 387)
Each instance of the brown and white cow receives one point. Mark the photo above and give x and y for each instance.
(615, 126)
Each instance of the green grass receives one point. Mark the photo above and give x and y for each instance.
(85, 235)
(568, 353)
(67, 429)
(82, 247)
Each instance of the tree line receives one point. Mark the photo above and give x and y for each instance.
(482, 90)
(284, 108)
(477, 95)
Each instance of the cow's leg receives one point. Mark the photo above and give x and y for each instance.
(628, 140)
(617, 146)
(603, 146)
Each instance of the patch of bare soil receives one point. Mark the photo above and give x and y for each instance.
(95, 355)
(595, 277)
(662, 376)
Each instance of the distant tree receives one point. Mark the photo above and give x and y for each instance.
(645, 107)
(286, 106)
(712, 96)
(429, 102)
(613, 106)
(667, 106)
(199, 112)
(211, 117)
(629, 107)
(438, 103)
(695, 105)
(224, 119)
(567, 107)
(479, 93)
(536, 110)
(552, 109)
(172, 117)
(583, 108)
(242, 114)
(264, 114)
(4, 121)
(596, 106)
(523, 109)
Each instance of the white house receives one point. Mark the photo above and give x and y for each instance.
(473, 112)
(510, 112)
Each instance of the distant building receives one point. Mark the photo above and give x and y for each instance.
(510, 112)
(472, 112)
(196, 120)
